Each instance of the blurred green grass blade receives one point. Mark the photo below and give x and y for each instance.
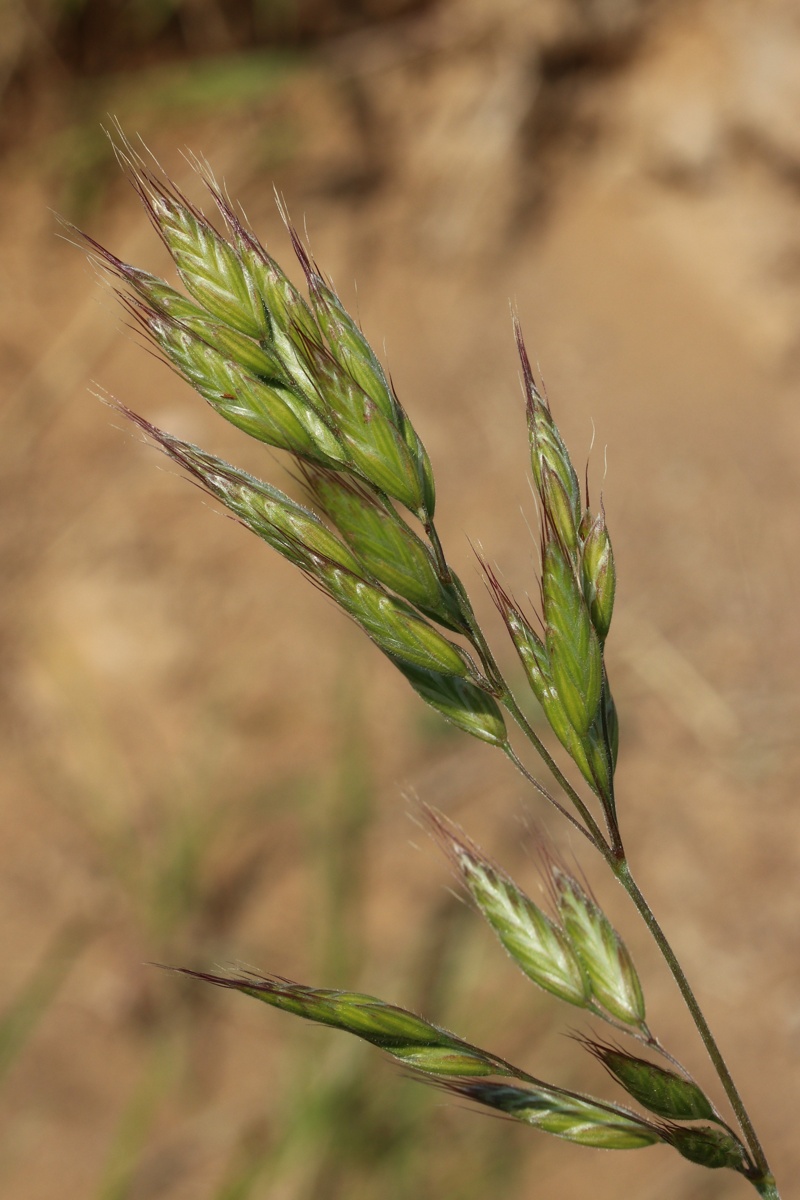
(208, 83)
(171, 887)
(330, 1154)
(26, 1010)
(148, 96)
(222, 82)
(129, 1144)
(341, 840)
(249, 1166)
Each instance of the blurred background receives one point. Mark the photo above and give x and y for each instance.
(204, 763)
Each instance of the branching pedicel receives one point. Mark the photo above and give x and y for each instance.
(301, 377)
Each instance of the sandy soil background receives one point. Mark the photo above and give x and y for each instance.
(204, 763)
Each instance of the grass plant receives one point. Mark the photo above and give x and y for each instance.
(297, 374)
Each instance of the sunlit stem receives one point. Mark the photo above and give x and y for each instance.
(623, 874)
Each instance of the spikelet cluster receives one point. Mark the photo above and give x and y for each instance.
(564, 660)
(406, 1037)
(578, 957)
(457, 1066)
(298, 374)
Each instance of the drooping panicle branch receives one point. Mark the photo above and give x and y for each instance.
(565, 664)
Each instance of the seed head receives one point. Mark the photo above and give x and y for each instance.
(301, 537)
(326, 339)
(294, 531)
(271, 412)
(210, 268)
(550, 460)
(605, 958)
(661, 1091)
(411, 1040)
(358, 361)
(253, 347)
(599, 575)
(573, 648)
(588, 751)
(536, 943)
(389, 549)
(708, 1147)
(463, 703)
(161, 300)
(578, 1119)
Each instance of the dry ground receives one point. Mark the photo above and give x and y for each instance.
(202, 761)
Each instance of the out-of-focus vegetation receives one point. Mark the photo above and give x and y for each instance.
(66, 64)
(94, 37)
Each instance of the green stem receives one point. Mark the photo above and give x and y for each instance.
(767, 1188)
(510, 753)
(442, 566)
(623, 874)
(594, 834)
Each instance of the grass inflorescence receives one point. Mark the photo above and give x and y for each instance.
(295, 372)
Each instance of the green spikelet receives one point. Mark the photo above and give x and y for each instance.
(708, 1147)
(615, 983)
(294, 531)
(293, 327)
(346, 342)
(384, 543)
(550, 461)
(577, 1119)
(539, 947)
(271, 412)
(599, 575)
(398, 631)
(373, 441)
(573, 648)
(460, 701)
(588, 751)
(209, 266)
(411, 1040)
(661, 1091)
(559, 509)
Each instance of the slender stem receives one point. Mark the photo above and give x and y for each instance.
(595, 834)
(767, 1188)
(542, 790)
(623, 874)
(445, 574)
(649, 1039)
